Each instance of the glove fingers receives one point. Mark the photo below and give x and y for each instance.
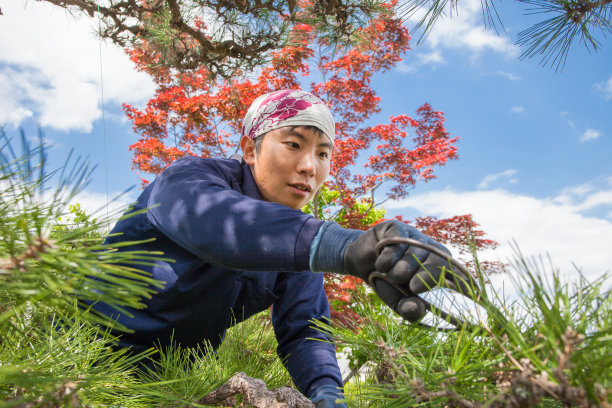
(387, 293)
(425, 280)
(400, 262)
(431, 276)
(411, 309)
(389, 257)
(455, 278)
(402, 271)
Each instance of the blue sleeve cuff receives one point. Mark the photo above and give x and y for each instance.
(328, 247)
(328, 396)
(323, 383)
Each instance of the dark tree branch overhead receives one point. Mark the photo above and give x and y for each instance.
(229, 37)
(225, 36)
(551, 39)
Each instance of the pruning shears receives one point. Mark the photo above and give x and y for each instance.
(472, 293)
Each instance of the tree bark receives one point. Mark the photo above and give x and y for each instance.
(254, 393)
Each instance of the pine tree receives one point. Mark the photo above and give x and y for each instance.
(55, 352)
(549, 348)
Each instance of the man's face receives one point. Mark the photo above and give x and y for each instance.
(291, 164)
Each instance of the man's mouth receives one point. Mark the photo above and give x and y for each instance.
(303, 187)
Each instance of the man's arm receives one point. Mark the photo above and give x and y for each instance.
(308, 353)
(193, 204)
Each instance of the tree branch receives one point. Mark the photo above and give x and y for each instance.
(39, 246)
(254, 28)
(254, 393)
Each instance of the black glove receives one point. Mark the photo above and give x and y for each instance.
(414, 269)
(353, 252)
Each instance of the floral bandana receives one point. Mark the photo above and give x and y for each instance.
(287, 108)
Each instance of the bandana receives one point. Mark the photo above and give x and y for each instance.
(287, 108)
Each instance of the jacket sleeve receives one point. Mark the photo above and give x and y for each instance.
(308, 353)
(196, 204)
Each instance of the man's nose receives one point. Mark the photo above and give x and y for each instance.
(306, 164)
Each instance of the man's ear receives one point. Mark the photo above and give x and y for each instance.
(248, 150)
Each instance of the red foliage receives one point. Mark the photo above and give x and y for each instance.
(460, 231)
(339, 291)
(191, 115)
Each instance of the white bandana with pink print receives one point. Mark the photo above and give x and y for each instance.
(287, 108)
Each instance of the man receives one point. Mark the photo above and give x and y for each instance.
(240, 244)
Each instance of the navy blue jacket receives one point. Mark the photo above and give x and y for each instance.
(235, 255)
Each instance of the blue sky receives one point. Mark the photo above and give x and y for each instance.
(534, 155)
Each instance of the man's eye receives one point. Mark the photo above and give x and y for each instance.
(324, 155)
(293, 145)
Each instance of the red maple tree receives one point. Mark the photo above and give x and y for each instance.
(192, 115)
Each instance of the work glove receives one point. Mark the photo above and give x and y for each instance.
(328, 396)
(414, 269)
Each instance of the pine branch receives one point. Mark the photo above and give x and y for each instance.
(65, 397)
(39, 246)
(572, 19)
(243, 32)
(457, 400)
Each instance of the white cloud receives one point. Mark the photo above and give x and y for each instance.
(509, 75)
(465, 30)
(13, 90)
(434, 58)
(95, 204)
(540, 227)
(509, 174)
(605, 88)
(105, 209)
(9, 115)
(586, 196)
(518, 109)
(406, 68)
(569, 195)
(56, 77)
(590, 134)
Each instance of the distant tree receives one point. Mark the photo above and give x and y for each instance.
(194, 115)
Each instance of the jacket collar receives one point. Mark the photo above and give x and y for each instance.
(249, 187)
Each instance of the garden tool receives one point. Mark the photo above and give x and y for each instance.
(455, 278)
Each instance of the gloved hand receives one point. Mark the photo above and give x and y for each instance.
(401, 263)
(328, 396)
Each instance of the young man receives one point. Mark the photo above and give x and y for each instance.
(240, 244)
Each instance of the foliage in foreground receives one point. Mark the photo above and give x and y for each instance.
(54, 351)
(551, 348)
